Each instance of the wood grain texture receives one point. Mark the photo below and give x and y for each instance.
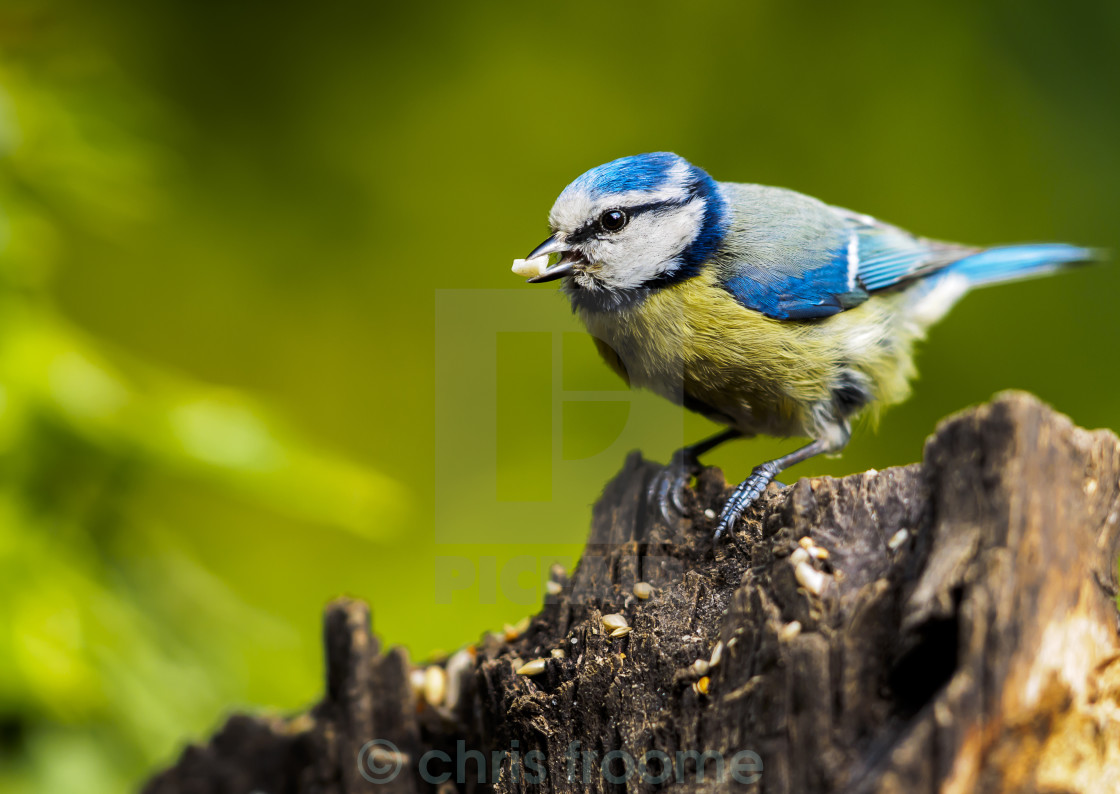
(964, 639)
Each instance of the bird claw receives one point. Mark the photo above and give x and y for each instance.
(667, 488)
(745, 494)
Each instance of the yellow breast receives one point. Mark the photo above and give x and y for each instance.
(693, 341)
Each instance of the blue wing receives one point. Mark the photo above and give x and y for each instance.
(852, 257)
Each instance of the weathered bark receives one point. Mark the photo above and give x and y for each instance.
(965, 638)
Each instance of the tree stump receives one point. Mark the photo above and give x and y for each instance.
(961, 635)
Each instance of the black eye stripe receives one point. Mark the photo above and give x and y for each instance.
(654, 206)
(592, 228)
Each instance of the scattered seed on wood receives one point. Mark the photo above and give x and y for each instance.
(416, 681)
(717, 655)
(810, 578)
(615, 621)
(535, 667)
(458, 667)
(789, 631)
(435, 685)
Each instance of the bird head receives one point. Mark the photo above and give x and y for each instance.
(634, 223)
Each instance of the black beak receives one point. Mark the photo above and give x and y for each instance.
(553, 245)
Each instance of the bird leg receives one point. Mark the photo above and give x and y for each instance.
(750, 489)
(668, 486)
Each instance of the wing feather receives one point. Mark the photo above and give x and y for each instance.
(852, 257)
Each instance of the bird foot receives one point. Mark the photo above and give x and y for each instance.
(667, 488)
(744, 495)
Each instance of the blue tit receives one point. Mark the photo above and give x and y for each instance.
(761, 308)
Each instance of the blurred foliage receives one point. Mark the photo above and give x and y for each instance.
(116, 636)
(317, 206)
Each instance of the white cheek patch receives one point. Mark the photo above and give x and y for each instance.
(648, 247)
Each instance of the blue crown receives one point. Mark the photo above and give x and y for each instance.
(636, 172)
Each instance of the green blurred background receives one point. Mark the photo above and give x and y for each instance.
(260, 345)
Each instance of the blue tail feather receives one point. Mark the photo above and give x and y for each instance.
(1019, 261)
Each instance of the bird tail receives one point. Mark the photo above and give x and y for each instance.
(1009, 262)
(990, 266)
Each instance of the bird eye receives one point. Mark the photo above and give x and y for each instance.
(613, 220)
